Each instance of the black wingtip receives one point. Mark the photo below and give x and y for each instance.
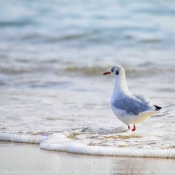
(158, 108)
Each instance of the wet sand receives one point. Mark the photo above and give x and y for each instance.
(23, 159)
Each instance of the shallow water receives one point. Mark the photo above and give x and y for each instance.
(53, 55)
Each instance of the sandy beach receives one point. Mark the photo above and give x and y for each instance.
(23, 159)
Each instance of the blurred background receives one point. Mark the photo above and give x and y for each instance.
(55, 52)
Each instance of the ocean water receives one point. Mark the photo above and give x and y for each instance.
(52, 58)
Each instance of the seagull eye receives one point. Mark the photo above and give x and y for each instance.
(117, 72)
(111, 70)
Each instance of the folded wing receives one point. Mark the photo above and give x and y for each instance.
(132, 104)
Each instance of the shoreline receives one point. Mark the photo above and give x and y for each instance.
(59, 142)
(20, 158)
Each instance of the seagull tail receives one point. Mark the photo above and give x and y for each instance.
(158, 108)
(145, 115)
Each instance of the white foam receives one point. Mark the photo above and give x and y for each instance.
(59, 142)
(105, 151)
(21, 138)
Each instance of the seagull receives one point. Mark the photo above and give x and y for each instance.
(127, 107)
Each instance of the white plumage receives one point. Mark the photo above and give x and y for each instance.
(129, 108)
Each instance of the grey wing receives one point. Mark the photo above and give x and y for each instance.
(144, 100)
(131, 104)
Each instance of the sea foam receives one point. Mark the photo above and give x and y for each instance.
(59, 142)
(22, 138)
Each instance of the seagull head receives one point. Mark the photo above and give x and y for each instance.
(116, 71)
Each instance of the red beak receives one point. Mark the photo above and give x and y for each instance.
(106, 73)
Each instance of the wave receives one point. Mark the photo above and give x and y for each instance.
(58, 142)
(147, 68)
(19, 23)
(93, 38)
(142, 69)
(21, 138)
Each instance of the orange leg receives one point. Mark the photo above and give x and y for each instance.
(134, 128)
